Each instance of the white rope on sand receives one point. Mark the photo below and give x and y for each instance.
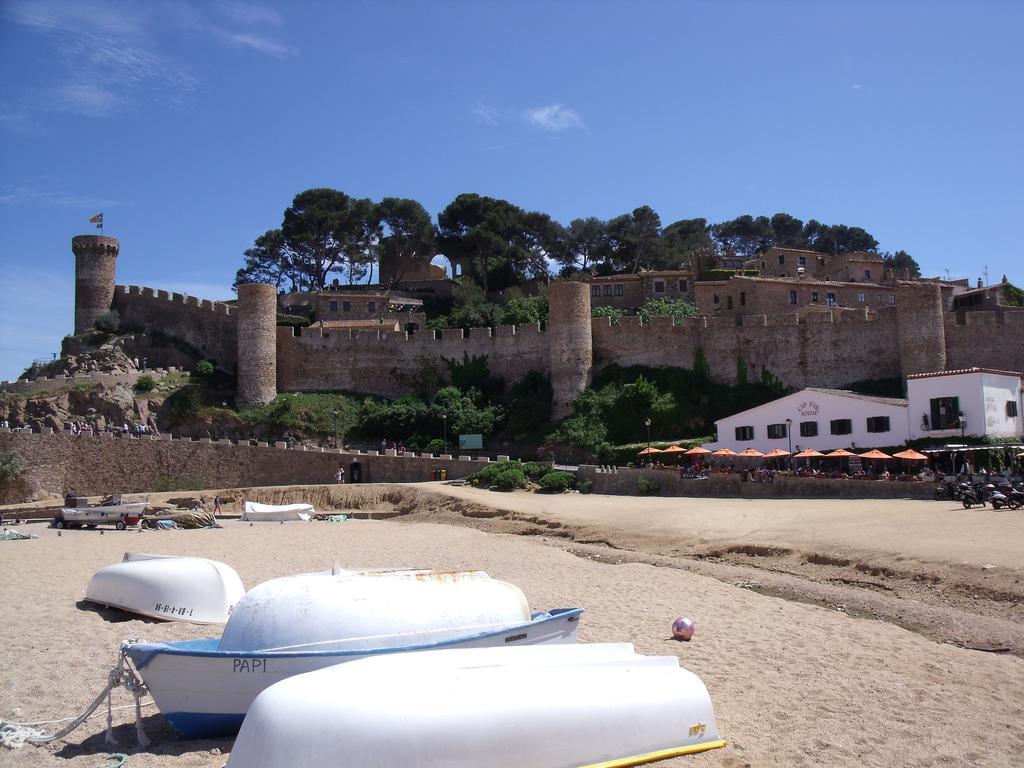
(15, 735)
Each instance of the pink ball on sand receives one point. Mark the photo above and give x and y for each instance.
(682, 628)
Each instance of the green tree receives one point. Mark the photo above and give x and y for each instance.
(466, 415)
(408, 233)
(485, 232)
(688, 243)
(586, 244)
(901, 260)
(268, 262)
(666, 307)
(327, 231)
(743, 236)
(634, 240)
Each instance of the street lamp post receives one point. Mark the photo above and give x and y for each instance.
(647, 423)
(789, 435)
(336, 443)
(444, 423)
(962, 421)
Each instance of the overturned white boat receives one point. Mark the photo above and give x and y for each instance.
(296, 624)
(271, 513)
(190, 589)
(547, 707)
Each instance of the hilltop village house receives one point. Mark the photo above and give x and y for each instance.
(631, 291)
(944, 405)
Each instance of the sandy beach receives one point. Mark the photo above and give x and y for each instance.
(796, 677)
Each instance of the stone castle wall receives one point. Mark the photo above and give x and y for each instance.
(820, 349)
(988, 339)
(105, 463)
(209, 326)
(825, 348)
(389, 363)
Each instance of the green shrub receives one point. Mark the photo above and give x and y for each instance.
(485, 477)
(203, 370)
(436, 445)
(10, 467)
(511, 478)
(108, 322)
(535, 471)
(145, 383)
(585, 486)
(646, 487)
(557, 481)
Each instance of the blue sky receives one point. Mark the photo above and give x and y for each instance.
(191, 125)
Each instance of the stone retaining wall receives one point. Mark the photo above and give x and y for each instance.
(93, 465)
(622, 482)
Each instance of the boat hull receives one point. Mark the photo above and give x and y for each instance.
(205, 692)
(598, 706)
(119, 515)
(189, 589)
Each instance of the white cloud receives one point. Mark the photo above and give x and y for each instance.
(486, 114)
(110, 56)
(554, 117)
(258, 43)
(249, 14)
(54, 198)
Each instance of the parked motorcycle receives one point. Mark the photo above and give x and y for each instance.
(998, 500)
(971, 495)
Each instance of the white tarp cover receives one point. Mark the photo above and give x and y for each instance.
(272, 513)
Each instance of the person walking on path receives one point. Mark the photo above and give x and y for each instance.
(216, 506)
(341, 475)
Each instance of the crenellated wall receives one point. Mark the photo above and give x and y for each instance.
(819, 349)
(209, 326)
(387, 363)
(987, 339)
(823, 348)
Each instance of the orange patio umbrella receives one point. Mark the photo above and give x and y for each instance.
(809, 453)
(724, 452)
(674, 449)
(839, 453)
(648, 451)
(875, 454)
(910, 455)
(751, 453)
(776, 453)
(698, 450)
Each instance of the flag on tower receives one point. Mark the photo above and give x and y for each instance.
(97, 220)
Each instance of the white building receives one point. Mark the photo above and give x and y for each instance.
(816, 418)
(989, 400)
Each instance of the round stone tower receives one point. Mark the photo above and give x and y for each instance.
(570, 346)
(922, 332)
(257, 343)
(95, 261)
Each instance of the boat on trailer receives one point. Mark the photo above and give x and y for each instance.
(76, 513)
(190, 589)
(273, 513)
(598, 705)
(298, 624)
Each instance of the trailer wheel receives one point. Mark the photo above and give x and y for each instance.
(61, 524)
(120, 525)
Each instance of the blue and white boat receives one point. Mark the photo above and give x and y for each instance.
(298, 624)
